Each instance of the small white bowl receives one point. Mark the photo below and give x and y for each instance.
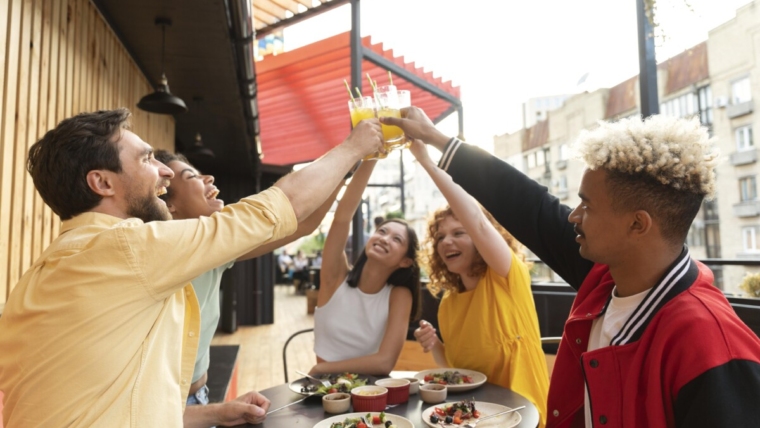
(335, 403)
(433, 393)
(414, 385)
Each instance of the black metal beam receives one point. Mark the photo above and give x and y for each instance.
(647, 63)
(322, 8)
(446, 114)
(357, 236)
(410, 77)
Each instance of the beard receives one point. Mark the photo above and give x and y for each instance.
(147, 208)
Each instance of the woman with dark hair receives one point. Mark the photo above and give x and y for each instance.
(363, 312)
(487, 317)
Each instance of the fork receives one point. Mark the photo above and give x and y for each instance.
(473, 424)
(324, 383)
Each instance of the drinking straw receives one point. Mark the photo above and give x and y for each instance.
(350, 94)
(358, 91)
(372, 83)
(374, 90)
(390, 77)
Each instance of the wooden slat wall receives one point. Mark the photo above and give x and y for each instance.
(57, 58)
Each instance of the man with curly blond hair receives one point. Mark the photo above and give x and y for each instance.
(650, 342)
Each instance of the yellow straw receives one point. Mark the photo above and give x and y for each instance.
(390, 77)
(372, 83)
(358, 91)
(348, 88)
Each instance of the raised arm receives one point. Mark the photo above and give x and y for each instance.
(522, 206)
(489, 243)
(382, 361)
(305, 227)
(308, 188)
(334, 263)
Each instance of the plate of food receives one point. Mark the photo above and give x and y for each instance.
(456, 380)
(339, 382)
(462, 412)
(354, 420)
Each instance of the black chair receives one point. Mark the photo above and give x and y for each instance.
(285, 348)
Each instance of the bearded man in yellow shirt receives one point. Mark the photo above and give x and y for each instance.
(107, 314)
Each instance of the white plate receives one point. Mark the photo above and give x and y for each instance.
(503, 421)
(296, 385)
(478, 378)
(397, 420)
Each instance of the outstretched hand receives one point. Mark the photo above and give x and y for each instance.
(417, 126)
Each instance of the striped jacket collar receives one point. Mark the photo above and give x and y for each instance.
(678, 278)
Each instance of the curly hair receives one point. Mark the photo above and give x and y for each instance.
(441, 279)
(662, 165)
(676, 152)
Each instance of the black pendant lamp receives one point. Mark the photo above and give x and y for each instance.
(198, 152)
(162, 101)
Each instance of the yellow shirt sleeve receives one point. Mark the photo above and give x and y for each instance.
(197, 245)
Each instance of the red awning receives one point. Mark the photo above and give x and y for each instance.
(303, 102)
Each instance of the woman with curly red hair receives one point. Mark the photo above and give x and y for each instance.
(487, 317)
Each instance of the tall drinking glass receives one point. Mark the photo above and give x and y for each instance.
(386, 105)
(404, 101)
(363, 108)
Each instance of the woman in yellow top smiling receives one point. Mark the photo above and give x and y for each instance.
(487, 316)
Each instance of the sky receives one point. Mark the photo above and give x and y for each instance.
(503, 52)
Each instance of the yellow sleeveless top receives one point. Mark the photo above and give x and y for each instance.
(493, 329)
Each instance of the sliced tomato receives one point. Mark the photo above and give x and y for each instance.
(467, 379)
(440, 411)
(361, 425)
(332, 391)
(442, 382)
(376, 419)
(476, 413)
(428, 378)
(457, 420)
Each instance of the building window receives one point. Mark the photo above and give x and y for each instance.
(748, 188)
(744, 138)
(741, 92)
(564, 152)
(530, 160)
(683, 106)
(562, 184)
(695, 238)
(540, 158)
(704, 98)
(749, 238)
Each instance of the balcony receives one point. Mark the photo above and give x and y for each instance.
(737, 110)
(744, 157)
(747, 209)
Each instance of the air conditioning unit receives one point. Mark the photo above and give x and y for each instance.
(721, 102)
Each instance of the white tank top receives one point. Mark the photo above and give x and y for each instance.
(351, 324)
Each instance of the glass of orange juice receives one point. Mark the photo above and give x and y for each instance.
(387, 105)
(404, 101)
(363, 108)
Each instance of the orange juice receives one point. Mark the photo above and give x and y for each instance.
(361, 113)
(393, 135)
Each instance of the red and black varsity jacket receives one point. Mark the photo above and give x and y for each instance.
(683, 359)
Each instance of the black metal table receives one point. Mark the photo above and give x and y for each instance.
(308, 413)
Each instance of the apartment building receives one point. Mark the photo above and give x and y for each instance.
(716, 81)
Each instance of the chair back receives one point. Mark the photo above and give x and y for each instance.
(304, 358)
